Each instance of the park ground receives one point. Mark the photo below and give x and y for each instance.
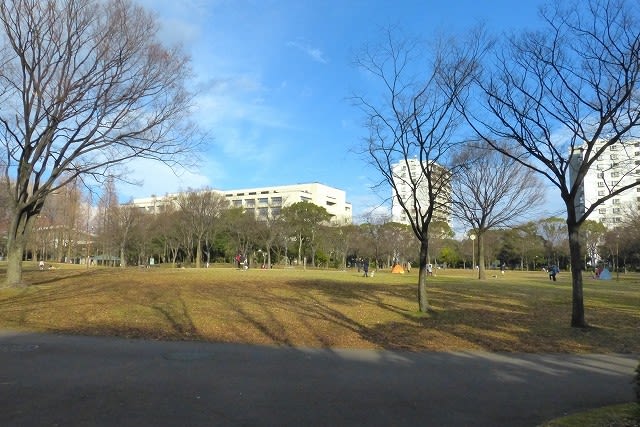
(518, 312)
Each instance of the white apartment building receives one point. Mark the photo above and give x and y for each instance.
(618, 166)
(402, 171)
(266, 202)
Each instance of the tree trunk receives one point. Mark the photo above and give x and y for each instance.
(15, 251)
(198, 252)
(422, 277)
(123, 260)
(577, 310)
(299, 249)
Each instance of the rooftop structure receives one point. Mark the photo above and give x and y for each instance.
(266, 202)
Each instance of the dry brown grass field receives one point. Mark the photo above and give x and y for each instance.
(517, 312)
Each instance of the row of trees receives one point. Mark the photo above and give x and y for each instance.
(201, 228)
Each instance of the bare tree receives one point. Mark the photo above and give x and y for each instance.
(492, 190)
(84, 86)
(412, 128)
(553, 232)
(126, 219)
(593, 234)
(106, 222)
(201, 212)
(561, 97)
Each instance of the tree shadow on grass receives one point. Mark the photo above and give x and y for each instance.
(177, 315)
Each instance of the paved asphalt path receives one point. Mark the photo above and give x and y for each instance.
(48, 380)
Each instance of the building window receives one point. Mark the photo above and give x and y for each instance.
(613, 148)
(616, 201)
(275, 211)
(616, 210)
(263, 201)
(615, 174)
(250, 203)
(613, 157)
(602, 211)
(600, 184)
(263, 212)
(601, 193)
(600, 175)
(276, 201)
(305, 199)
(237, 203)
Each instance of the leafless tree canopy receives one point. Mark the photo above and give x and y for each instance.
(84, 86)
(416, 117)
(571, 86)
(492, 190)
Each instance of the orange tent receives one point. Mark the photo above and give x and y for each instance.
(397, 269)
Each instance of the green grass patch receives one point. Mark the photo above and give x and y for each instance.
(625, 415)
(518, 312)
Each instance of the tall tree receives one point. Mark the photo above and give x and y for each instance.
(201, 212)
(559, 97)
(492, 190)
(413, 125)
(85, 85)
(593, 234)
(554, 233)
(304, 220)
(126, 219)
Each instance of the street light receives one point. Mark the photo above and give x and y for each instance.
(473, 251)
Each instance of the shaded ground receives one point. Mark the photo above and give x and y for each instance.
(522, 312)
(67, 380)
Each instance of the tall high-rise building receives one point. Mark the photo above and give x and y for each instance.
(619, 165)
(409, 181)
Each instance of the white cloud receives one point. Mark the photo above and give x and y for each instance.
(158, 179)
(313, 52)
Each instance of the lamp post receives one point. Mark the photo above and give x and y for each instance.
(473, 251)
(617, 260)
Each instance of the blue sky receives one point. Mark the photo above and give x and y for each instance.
(273, 78)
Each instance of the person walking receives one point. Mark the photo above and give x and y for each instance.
(553, 271)
(365, 268)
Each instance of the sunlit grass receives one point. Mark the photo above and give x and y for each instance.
(521, 311)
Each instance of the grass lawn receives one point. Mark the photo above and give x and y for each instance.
(518, 312)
